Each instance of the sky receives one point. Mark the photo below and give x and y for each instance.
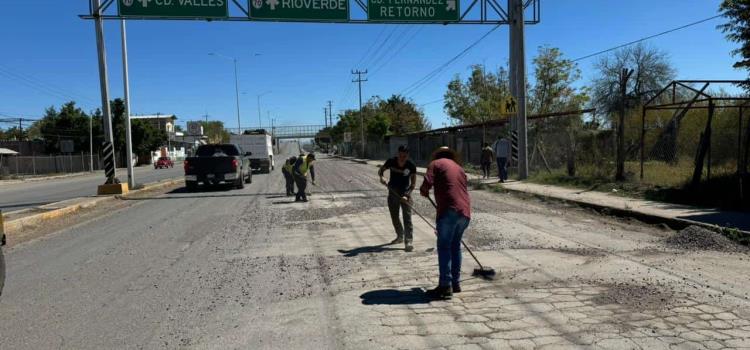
(48, 56)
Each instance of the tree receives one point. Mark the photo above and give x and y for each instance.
(478, 99)
(404, 116)
(215, 131)
(554, 91)
(738, 30)
(14, 134)
(652, 70)
(69, 123)
(178, 128)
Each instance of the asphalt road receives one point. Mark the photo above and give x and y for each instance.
(251, 269)
(17, 196)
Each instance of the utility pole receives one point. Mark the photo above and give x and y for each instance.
(359, 81)
(126, 83)
(518, 82)
(109, 152)
(91, 143)
(325, 116)
(624, 77)
(330, 113)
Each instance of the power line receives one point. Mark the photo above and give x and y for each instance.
(413, 88)
(40, 85)
(630, 43)
(397, 52)
(647, 38)
(372, 45)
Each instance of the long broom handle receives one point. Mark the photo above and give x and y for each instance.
(393, 193)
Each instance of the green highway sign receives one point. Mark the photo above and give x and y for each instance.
(413, 10)
(173, 8)
(302, 10)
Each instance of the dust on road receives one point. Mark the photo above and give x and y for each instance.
(253, 269)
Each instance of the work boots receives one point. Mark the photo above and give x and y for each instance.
(408, 247)
(440, 293)
(398, 240)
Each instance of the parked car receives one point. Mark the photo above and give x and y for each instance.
(164, 162)
(217, 164)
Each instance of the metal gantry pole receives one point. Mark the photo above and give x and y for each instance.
(518, 82)
(110, 168)
(91, 143)
(126, 83)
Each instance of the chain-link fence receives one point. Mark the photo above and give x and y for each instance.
(571, 147)
(11, 166)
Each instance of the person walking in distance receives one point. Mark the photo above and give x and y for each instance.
(403, 180)
(502, 152)
(447, 177)
(299, 171)
(488, 155)
(288, 177)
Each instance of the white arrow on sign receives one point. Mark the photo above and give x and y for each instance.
(450, 5)
(272, 4)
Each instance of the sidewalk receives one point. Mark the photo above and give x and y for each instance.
(675, 215)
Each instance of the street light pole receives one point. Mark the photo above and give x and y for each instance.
(236, 87)
(126, 83)
(237, 94)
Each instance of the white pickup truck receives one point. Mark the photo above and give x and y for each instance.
(260, 144)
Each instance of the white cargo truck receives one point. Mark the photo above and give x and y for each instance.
(260, 144)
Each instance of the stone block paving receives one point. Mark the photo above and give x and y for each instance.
(382, 306)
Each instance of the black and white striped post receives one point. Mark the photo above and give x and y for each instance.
(108, 151)
(514, 146)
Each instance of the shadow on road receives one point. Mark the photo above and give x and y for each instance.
(369, 249)
(395, 297)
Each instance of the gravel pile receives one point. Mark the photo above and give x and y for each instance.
(637, 296)
(698, 238)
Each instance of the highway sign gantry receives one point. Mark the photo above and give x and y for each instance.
(300, 10)
(413, 10)
(174, 8)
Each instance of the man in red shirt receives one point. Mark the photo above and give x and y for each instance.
(448, 178)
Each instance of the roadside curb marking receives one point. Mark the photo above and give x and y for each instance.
(19, 224)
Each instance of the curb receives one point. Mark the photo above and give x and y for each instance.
(673, 223)
(56, 210)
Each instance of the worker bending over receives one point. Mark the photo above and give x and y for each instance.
(301, 167)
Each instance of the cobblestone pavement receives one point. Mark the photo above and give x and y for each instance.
(568, 279)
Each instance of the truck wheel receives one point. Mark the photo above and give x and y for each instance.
(191, 185)
(240, 184)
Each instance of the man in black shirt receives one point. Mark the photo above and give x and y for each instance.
(403, 179)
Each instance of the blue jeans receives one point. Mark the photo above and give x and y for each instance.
(450, 228)
(502, 170)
